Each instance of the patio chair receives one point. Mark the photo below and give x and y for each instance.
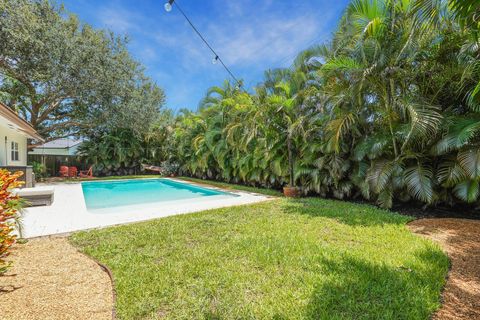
(63, 172)
(86, 173)
(72, 172)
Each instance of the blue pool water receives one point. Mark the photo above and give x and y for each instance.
(107, 194)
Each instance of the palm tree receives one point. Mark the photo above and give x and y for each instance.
(386, 110)
(372, 88)
(113, 152)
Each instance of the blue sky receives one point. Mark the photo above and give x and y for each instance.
(249, 35)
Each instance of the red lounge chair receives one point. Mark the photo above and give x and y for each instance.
(63, 171)
(86, 174)
(72, 172)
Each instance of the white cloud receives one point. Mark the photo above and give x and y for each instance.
(247, 40)
(247, 34)
(234, 8)
(148, 54)
(186, 46)
(117, 19)
(267, 40)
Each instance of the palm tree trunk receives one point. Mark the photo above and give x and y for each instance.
(389, 102)
(290, 161)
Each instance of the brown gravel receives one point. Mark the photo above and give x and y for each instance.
(460, 238)
(50, 279)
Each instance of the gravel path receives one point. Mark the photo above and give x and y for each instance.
(50, 279)
(460, 238)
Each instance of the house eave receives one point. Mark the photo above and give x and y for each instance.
(19, 124)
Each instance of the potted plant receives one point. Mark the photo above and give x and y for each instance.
(291, 192)
(289, 120)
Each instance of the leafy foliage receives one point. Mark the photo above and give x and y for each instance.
(40, 170)
(65, 77)
(386, 111)
(9, 218)
(122, 151)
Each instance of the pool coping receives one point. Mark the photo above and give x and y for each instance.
(68, 213)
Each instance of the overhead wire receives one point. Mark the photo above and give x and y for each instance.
(216, 55)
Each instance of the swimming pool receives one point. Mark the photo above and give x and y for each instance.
(108, 194)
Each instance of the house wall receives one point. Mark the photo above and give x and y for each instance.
(51, 152)
(5, 147)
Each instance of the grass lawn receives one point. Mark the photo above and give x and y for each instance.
(224, 185)
(282, 259)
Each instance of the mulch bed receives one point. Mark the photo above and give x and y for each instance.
(458, 212)
(50, 279)
(460, 238)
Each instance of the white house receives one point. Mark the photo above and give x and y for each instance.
(14, 135)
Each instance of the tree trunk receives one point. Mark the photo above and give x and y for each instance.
(390, 100)
(290, 161)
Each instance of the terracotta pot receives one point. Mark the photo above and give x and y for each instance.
(291, 192)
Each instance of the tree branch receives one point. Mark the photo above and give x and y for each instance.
(42, 116)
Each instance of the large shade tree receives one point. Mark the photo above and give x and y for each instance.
(65, 77)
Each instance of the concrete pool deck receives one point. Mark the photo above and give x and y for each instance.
(69, 213)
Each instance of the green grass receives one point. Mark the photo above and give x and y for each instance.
(281, 259)
(268, 192)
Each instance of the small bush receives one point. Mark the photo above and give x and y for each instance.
(9, 217)
(169, 168)
(40, 170)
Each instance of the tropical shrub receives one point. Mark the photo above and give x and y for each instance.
(9, 218)
(122, 151)
(40, 170)
(387, 111)
(169, 168)
(116, 152)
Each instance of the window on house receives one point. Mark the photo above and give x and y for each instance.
(14, 151)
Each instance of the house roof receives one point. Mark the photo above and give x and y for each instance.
(59, 147)
(59, 144)
(17, 123)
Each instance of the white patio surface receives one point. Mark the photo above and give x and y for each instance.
(69, 213)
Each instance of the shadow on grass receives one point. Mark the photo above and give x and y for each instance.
(353, 214)
(357, 289)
